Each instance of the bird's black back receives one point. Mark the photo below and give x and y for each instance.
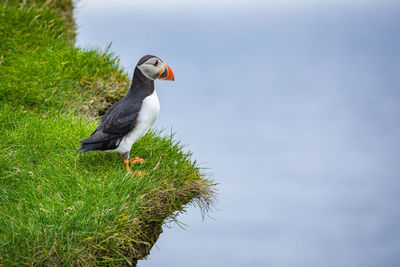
(121, 117)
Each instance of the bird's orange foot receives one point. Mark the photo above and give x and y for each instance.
(136, 160)
(138, 173)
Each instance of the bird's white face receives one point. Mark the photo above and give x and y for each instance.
(155, 68)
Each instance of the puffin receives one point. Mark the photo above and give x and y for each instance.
(131, 117)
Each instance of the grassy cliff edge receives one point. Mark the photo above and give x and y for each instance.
(59, 207)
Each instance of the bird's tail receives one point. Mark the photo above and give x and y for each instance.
(81, 149)
(87, 147)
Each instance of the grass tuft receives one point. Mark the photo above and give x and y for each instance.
(60, 207)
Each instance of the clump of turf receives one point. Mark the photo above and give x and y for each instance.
(40, 67)
(59, 207)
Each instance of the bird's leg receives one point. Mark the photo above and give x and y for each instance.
(125, 156)
(126, 164)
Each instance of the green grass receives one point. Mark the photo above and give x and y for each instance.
(40, 67)
(60, 207)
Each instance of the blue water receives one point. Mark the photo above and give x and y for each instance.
(295, 110)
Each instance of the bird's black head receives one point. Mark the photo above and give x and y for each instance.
(154, 68)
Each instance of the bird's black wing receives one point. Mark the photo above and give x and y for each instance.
(119, 120)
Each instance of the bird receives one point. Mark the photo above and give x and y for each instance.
(131, 117)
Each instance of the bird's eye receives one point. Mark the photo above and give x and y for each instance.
(155, 63)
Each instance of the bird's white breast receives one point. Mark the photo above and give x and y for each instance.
(146, 118)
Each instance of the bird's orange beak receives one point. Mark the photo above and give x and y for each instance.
(167, 74)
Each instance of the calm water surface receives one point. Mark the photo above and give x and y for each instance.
(295, 110)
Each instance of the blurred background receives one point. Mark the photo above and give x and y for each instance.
(294, 106)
